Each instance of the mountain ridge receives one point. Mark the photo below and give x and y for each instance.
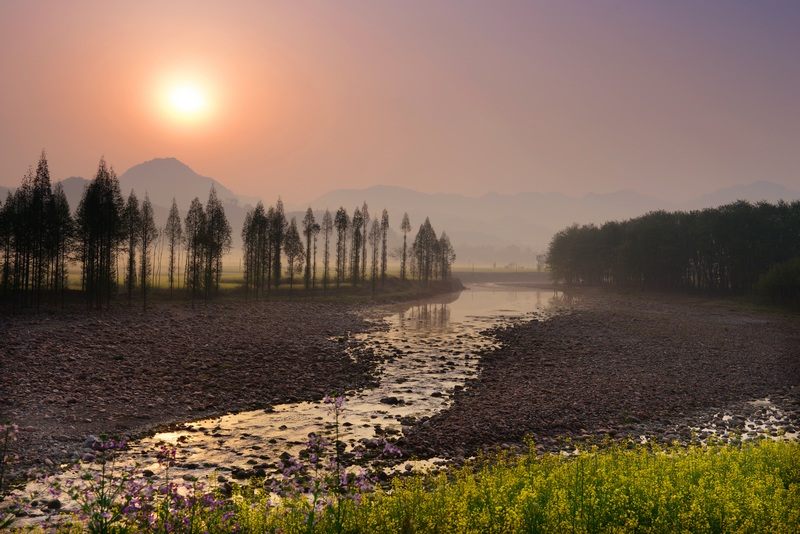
(523, 222)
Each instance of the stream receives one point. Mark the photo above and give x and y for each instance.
(428, 350)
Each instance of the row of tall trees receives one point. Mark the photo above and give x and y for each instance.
(39, 238)
(716, 250)
(36, 230)
(111, 237)
(352, 243)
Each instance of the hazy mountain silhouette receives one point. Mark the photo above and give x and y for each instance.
(164, 178)
(524, 220)
(492, 228)
(513, 228)
(754, 192)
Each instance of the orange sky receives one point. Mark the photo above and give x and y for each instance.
(673, 99)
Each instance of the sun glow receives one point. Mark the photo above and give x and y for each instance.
(187, 99)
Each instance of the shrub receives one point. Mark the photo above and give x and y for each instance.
(781, 285)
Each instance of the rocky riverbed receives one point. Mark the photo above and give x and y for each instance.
(639, 366)
(635, 366)
(126, 373)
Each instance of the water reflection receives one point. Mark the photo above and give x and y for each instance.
(431, 349)
(427, 317)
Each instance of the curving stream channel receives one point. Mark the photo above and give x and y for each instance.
(428, 349)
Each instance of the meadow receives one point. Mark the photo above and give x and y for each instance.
(614, 487)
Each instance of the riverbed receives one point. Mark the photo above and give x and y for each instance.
(427, 351)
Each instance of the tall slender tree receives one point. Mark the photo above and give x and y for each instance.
(447, 256)
(218, 242)
(148, 233)
(62, 233)
(195, 226)
(315, 230)
(364, 238)
(374, 237)
(41, 199)
(405, 227)
(174, 234)
(424, 251)
(293, 246)
(310, 227)
(277, 231)
(384, 249)
(132, 221)
(342, 222)
(327, 228)
(100, 231)
(358, 245)
(255, 236)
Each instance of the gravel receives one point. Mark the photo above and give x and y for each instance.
(126, 373)
(623, 366)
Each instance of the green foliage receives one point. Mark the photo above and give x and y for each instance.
(781, 285)
(722, 250)
(623, 488)
(755, 488)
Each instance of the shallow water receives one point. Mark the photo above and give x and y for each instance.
(430, 349)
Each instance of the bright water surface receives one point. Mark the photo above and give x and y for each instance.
(431, 349)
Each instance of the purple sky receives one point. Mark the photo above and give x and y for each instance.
(673, 99)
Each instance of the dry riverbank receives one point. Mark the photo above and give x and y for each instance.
(623, 365)
(64, 377)
(614, 365)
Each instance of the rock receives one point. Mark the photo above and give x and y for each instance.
(53, 504)
(393, 401)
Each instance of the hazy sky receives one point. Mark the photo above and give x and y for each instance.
(673, 98)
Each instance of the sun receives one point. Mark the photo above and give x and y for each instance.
(187, 100)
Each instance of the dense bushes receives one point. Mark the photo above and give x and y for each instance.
(781, 285)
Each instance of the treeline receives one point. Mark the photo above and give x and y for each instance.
(354, 249)
(112, 237)
(716, 250)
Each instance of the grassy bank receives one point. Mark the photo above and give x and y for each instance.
(753, 487)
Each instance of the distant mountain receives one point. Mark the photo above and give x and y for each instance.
(523, 219)
(165, 178)
(754, 192)
(513, 228)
